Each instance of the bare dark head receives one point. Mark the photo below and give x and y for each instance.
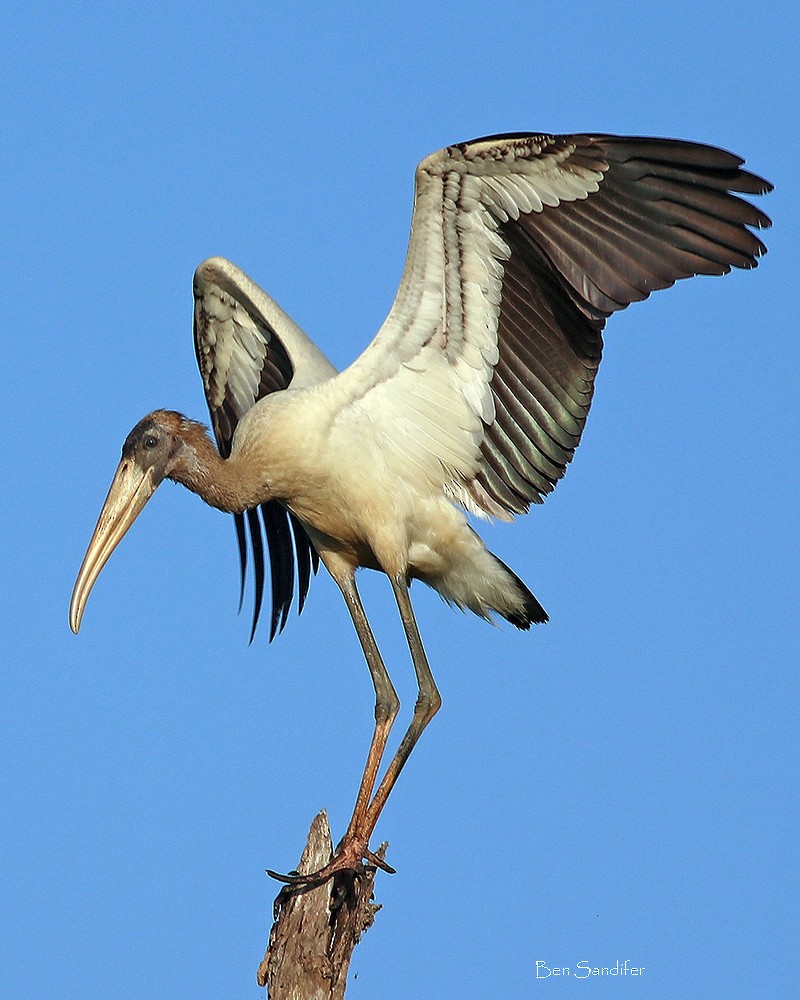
(150, 454)
(156, 442)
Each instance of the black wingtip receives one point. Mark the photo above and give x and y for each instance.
(277, 522)
(241, 541)
(281, 562)
(258, 566)
(307, 560)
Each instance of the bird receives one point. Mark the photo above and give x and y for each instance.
(470, 400)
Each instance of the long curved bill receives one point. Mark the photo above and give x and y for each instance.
(130, 490)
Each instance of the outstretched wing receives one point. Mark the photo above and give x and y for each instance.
(521, 247)
(247, 347)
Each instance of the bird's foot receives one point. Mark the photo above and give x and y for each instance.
(351, 857)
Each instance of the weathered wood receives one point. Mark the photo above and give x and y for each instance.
(315, 930)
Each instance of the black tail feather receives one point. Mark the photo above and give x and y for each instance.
(532, 613)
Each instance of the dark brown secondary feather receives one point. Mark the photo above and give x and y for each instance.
(664, 210)
(279, 527)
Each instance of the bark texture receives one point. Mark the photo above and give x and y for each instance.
(315, 930)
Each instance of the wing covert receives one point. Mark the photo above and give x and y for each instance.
(246, 348)
(521, 247)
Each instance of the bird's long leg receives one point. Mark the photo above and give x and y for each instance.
(387, 705)
(428, 703)
(354, 845)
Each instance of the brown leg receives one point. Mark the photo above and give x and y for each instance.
(387, 705)
(428, 703)
(354, 845)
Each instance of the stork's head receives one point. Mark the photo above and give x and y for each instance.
(149, 455)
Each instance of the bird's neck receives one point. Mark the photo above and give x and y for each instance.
(229, 484)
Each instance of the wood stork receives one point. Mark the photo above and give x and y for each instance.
(472, 396)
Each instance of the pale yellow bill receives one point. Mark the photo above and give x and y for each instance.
(130, 490)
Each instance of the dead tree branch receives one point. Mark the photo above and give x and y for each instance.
(315, 930)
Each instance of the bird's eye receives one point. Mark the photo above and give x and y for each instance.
(150, 441)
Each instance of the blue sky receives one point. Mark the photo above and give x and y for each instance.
(614, 785)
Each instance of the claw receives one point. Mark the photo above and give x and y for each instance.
(345, 861)
(378, 862)
(289, 878)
